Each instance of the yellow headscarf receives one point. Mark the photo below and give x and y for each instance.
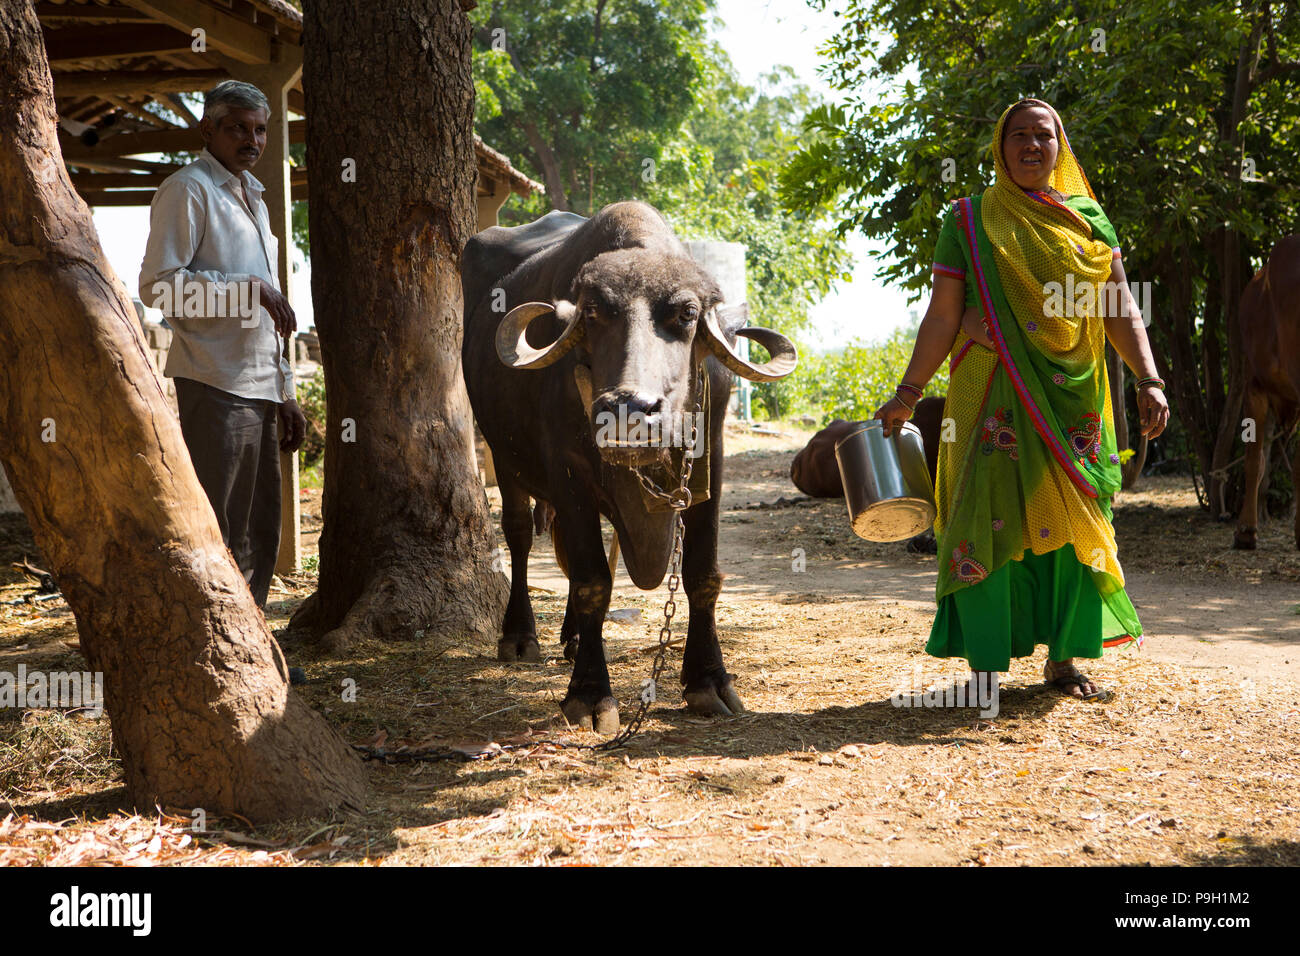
(1037, 241)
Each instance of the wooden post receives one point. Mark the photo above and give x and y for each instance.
(274, 80)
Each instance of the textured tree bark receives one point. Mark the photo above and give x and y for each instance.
(1227, 486)
(407, 546)
(196, 689)
(1185, 383)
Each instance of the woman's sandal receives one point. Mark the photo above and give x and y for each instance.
(1073, 678)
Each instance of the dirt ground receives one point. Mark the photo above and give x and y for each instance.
(1192, 760)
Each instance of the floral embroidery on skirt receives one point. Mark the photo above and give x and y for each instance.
(965, 568)
(1085, 438)
(999, 435)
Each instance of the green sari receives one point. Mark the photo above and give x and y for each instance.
(1026, 548)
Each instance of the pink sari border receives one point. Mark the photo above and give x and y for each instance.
(965, 215)
(961, 354)
(1065, 210)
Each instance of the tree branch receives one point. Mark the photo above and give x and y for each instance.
(595, 34)
(1277, 66)
(1278, 69)
(550, 168)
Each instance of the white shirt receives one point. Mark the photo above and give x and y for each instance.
(205, 246)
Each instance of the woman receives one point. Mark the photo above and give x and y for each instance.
(1022, 279)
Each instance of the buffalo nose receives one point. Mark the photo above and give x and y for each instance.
(634, 403)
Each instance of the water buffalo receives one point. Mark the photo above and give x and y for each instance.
(1270, 337)
(629, 318)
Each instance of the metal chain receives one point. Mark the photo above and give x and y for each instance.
(679, 501)
(649, 687)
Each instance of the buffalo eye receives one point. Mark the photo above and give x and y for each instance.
(690, 313)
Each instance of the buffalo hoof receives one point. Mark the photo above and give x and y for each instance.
(519, 648)
(571, 649)
(715, 700)
(1243, 539)
(601, 717)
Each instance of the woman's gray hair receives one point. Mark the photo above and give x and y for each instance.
(233, 94)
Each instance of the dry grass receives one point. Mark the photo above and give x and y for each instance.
(1186, 764)
(52, 752)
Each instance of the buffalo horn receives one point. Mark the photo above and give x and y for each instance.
(514, 350)
(783, 356)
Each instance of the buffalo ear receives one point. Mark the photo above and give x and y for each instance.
(732, 317)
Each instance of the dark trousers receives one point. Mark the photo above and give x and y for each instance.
(233, 445)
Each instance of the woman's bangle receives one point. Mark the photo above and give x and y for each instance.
(910, 408)
(1157, 382)
(911, 388)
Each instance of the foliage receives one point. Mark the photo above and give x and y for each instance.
(311, 399)
(852, 382)
(586, 92)
(1167, 106)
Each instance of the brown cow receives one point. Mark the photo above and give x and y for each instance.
(814, 470)
(1270, 336)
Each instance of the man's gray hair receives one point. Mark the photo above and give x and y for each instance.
(233, 94)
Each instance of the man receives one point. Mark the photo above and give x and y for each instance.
(210, 266)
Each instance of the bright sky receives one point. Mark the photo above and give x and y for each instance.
(863, 308)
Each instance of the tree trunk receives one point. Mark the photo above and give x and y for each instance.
(196, 689)
(1184, 372)
(1225, 487)
(407, 546)
(549, 166)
